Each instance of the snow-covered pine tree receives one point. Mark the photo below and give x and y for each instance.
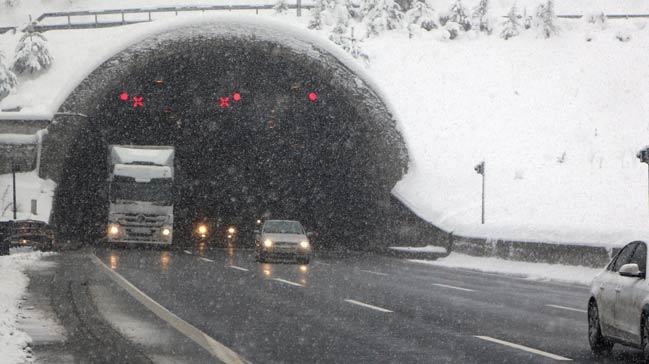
(511, 26)
(8, 79)
(457, 14)
(319, 6)
(527, 19)
(480, 17)
(339, 33)
(384, 15)
(423, 15)
(280, 7)
(32, 54)
(546, 19)
(340, 12)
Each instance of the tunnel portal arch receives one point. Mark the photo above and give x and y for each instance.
(330, 163)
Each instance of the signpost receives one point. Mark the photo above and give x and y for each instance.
(14, 169)
(480, 169)
(643, 155)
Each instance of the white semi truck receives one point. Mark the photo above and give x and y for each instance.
(140, 182)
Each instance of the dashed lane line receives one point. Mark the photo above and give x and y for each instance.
(206, 259)
(373, 272)
(237, 268)
(287, 282)
(187, 252)
(567, 308)
(367, 305)
(524, 348)
(454, 287)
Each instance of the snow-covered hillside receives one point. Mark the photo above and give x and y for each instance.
(558, 121)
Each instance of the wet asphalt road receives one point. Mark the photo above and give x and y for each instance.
(363, 308)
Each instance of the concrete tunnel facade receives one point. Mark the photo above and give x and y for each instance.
(273, 150)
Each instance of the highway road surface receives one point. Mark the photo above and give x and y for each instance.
(223, 306)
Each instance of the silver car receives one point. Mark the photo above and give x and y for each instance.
(281, 239)
(618, 309)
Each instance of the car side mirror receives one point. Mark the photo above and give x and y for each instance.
(310, 234)
(257, 232)
(631, 270)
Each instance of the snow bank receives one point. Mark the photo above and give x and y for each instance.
(12, 287)
(533, 271)
(420, 249)
(28, 186)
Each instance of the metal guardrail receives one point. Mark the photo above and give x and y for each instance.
(298, 6)
(142, 11)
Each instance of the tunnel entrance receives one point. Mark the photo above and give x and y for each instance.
(263, 122)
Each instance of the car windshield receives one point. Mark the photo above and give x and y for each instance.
(158, 191)
(283, 227)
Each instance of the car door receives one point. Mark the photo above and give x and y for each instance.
(606, 285)
(630, 291)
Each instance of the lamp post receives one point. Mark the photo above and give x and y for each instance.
(480, 169)
(643, 155)
(14, 169)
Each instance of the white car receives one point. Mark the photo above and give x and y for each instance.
(283, 239)
(618, 309)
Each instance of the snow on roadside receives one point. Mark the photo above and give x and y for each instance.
(420, 249)
(12, 287)
(533, 271)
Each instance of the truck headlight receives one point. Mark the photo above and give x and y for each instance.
(268, 243)
(113, 229)
(304, 244)
(166, 231)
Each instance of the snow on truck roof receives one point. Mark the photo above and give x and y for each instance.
(159, 155)
(142, 173)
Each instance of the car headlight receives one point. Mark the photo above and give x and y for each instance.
(166, 231)
(268, 243)
(202, 229)
(304, 244)
(113, 229)
(231, 230)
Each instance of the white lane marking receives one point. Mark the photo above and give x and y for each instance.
(236, 267)
(367, 305)
(206, 259)
(373, 272)
(567, 308)
(187, 252)
(287, 282)
(524, 348)
(322, 263)
(453, 287)
(215, 348)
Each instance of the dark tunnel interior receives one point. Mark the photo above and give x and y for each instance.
(271, 151)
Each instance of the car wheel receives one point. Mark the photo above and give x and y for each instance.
(261, 258)
(645, 338)
(598, 343)
(303, 260)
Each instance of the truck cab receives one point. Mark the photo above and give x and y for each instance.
(140, 195)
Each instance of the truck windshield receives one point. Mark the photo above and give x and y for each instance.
(158, 190)
(283, 227)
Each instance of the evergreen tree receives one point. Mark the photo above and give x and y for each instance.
(339, 33)
(423, 15)
(480, 17)
(511, 26)
(319, 6)
(527, 19)
(546, 19)
(457, 14)
(32, 54)
(383, 15)
(280, 7)
(7, 79)
(340, 12)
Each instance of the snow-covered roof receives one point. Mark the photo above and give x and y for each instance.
(142, 173)
(18, 139)
(159, 155)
